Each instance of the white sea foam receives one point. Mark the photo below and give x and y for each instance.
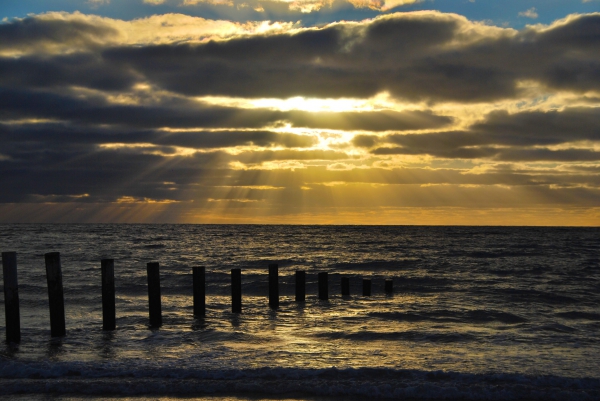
(139, 377)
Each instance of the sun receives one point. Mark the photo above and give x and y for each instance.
(314, 105)
(378, 102)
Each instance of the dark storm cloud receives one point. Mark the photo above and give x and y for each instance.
(41, 33)
(351, 60)
(35, 141)
(80, 69)
(15, 104)
(412, 56)
(426, 56)
(542, 128)
(62, 173)
(576, 42)
(564, 56)
(502, 136)
(221, 139)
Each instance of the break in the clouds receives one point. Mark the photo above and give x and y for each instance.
(189, 119)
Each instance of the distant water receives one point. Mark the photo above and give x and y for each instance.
(478, 313)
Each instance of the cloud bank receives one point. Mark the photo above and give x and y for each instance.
(203, 120)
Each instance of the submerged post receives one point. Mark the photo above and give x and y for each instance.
(345, 286)
(366, 287)
(107, 267)
(323, 286)
(236, 290)
(153, 271)
(199, 282)
(55, 294)
(300, 286)
(273, 286)
(389, 286)
(11, 297)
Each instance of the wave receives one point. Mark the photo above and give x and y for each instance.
(486, 254)
(574, 315)
(154, 246)
(537, 295)
(131, 379)
(473, 316)
(377, 265)
(409, 335)
(554, 327)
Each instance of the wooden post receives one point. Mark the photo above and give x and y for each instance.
(55, 294)
(389, 286)
(366, 287)
(300, 286)
(345, 286)
(199, 280)
(273, 286)
(107, 267)
(323, 286)
(11, 297)
(154, 306)
(236, 290)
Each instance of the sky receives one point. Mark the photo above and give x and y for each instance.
(434, 112)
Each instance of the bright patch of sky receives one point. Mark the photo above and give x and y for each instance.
(509, 13)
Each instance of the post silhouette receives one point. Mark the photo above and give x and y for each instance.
(323, 286)
(199, 283)
(300, 286)
(11, 297)
(389, 286)
(273, 286)
(236, 290)
(154, 306)
(345, 286)
(366, 287)
(107, 267)
(55, 294)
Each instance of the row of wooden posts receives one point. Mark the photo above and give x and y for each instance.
(107, 267)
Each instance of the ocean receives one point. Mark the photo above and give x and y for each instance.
(477, 313)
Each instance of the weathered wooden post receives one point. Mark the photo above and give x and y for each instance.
(236, 290)
(55, 294)
(107, 267)
(11, 297)
(323, 286)
(300, 286)
(366, 287)
(154, 305)
(389, 286)
(345, 286)
(199, 282)
(273, 286)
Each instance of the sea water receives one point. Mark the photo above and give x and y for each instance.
(478, 313)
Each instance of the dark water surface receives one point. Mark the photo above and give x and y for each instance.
(477, 313)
